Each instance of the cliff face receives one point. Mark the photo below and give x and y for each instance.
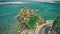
(56, 25)
(29, 18)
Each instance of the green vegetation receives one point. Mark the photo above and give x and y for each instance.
(56, 25)
(26, 32)
(29, 18)
(32, 22)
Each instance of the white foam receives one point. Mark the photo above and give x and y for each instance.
(50, 1)
(12, 2)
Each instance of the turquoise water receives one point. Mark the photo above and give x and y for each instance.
(48, 11)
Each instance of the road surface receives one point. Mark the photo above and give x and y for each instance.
(47, 30)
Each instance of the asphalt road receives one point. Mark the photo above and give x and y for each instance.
(47, 30)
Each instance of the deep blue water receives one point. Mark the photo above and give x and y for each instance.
(48, 11)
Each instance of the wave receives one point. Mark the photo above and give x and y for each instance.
(13, 2)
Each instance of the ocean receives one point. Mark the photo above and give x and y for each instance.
(49, 11)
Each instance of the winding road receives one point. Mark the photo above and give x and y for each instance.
(47, 30)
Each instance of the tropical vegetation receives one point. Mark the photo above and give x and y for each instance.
(29, 18)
